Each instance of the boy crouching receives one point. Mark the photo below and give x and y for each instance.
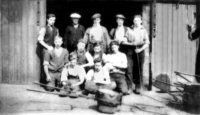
(73, 75)
(54, 61)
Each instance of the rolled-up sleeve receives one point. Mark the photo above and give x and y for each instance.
(82, 74)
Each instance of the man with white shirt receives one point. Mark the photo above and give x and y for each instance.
(97, 33)
(118, 65)
(73, 33)
(122, 34)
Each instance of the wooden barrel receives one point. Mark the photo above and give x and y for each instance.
(108, 100)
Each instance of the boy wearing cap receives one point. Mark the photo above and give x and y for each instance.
(54, 62)
(73, 32)
(117, 62)
(84, 58)
(97, 33)
(122, 34)
(73, 75)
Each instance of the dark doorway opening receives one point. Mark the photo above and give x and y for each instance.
(108, 9)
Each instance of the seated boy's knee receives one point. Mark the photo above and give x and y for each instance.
(50, 86)
(113, 85)
(91, 87)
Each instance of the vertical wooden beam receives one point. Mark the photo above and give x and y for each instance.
(24, 60)
(42, 8)
(152, 36)
(18, 41)
(5, 40)
(32, 39)
(146, 22)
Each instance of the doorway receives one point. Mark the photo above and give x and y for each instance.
(108, 10)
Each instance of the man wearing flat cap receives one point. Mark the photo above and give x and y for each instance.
(97, 33)
(122, 34)
(73, 32)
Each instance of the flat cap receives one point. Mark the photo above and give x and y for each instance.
(120, 16)
(75, 15)
(96, 15)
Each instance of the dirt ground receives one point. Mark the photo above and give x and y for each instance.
(16, 99)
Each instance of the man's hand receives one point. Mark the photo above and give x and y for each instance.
(48, 78)
(138, 50)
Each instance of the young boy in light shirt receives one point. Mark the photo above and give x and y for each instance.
(98, 77)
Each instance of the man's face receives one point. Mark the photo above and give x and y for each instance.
(97, 66)
(120, 22)
(73, 62)
(97, 20)
(81, 46)
(97, 49)
(51, 20)
(115, 48)
(137, 21)
(75, 21)
(58, 42)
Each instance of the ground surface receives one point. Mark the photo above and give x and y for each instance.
(15, 99)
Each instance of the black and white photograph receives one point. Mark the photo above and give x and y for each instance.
(99, 57)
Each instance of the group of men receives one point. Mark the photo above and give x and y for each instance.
(92, 59)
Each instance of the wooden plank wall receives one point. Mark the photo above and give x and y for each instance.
(18, 30)
(146, 12)
(171, 48)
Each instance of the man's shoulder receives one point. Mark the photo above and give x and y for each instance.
(65, 50)
(79, 68)
(121, 53)
(103, 27)
(81, 26)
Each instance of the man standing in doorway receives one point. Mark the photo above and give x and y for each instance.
(122, 34)
(97, 33)
(46, 38)
(48, 33)
(141, 42)
(73, 32)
